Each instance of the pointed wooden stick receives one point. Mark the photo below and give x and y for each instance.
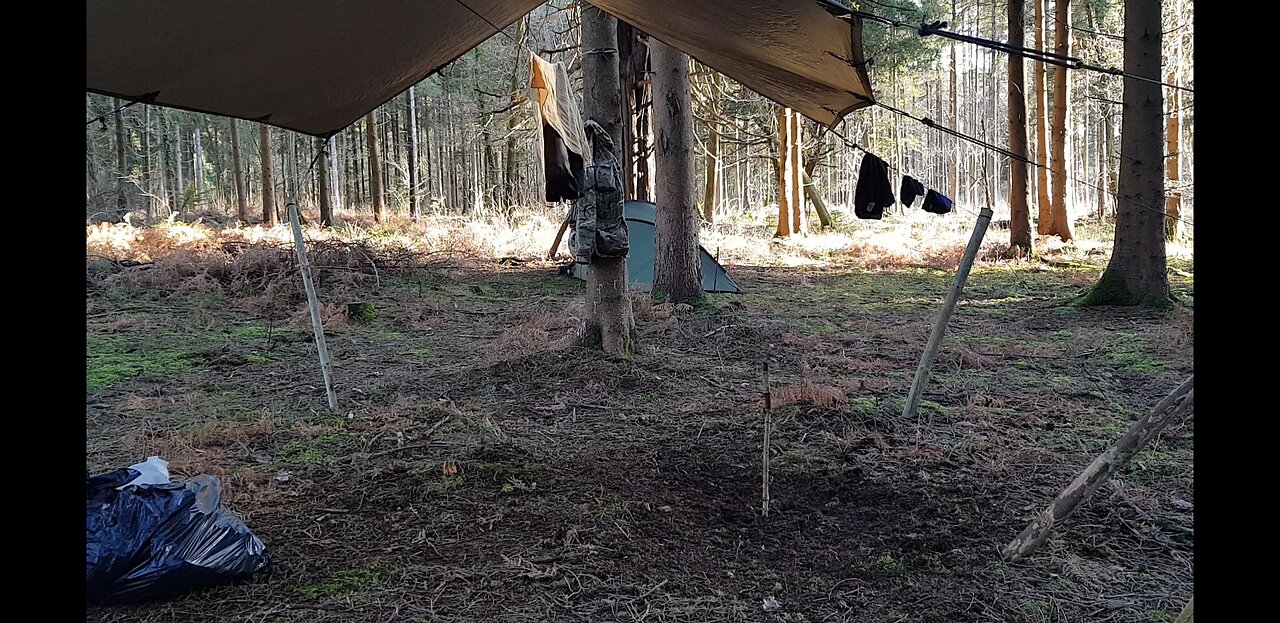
(764, 462)
(316, 325)
(944, 315)
(1174, 407)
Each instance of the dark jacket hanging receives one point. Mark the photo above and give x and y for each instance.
(564, 171)
(936, 202)
(873, 193)
(911, 188)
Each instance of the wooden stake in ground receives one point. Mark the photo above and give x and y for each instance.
(312, 304)
(764, 461)
(944, 316)
(1174, 407)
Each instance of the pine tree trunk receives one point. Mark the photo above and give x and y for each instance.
(413, 155)
(608, 301)
(799, 211)
(326, 195)
(784, 183)
(677, 269)
(268, 178)
(1044, 212)
(291, 142)
(1136, 274)
(1173, 202)
(335, 182)
(197, 163)
(955, 120)
(180, 194)
(710, 196)
(375, 164)
(122, 199)
(1019, 212)
(242, 208)
(147, 195)
(1060, 219)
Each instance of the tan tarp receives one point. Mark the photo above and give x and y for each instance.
(555, 105)
(316, 66)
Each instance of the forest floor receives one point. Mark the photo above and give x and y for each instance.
(473, 474)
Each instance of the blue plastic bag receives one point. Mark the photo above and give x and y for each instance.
(152, 541)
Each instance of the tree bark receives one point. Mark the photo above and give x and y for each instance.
(677, 272)
(242, 207)
(148, 198)
(335, 181)
(1136, 274)
(122, 199)
(710, 195)
(180, 191)
(413, 155)
(1019, 212)
(820, 206)
(1173, 200)
(375, 164)
(1174, 407)
(1060, 219)
(799, 213)
(197, 162)
(608, 301)
(326, 195)
(268, 179)
(784, 184)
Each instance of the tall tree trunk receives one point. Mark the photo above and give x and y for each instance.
(1019, 212)
(122, 199)
(268, 178)
(955, 119)
(291, 142)
(375, 164)
(1136, 274)
(608, 300)
(331, 156)
(242, 208)
(1173, 202)
(1044, 213)
(710, 196)
(799, 211)
(413, 155)
(510, 187)
(197, 162)
(784, 183)
(677, 269)
(1060, 218)
(148, 198)
(326, 196)
(180, 196)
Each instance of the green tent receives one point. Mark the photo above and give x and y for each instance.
(642, 232)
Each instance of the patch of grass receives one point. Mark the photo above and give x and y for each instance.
(1060, 336)
(109, 359)
(1133, 352)
(937, 408)
(345, 582)
(255, 358)
(415, 352)
(805, 461)
(864, 406)
(892, 565)
(249, 332)
(446, 485)
(318, 451)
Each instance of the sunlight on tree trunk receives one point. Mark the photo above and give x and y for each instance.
(1019, 213)
(1043, 212)
(609, 314)
(268, 178)
(1136, 274)
(242, 206)
(326, 195)
(677, 270)
(375, 164)
(1060, 216)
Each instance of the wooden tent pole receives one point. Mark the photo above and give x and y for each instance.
(1174, 407)
(318, 327)
(944, 316)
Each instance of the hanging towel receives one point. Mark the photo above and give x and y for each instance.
(936, 202)
(564, 152)
(911, 188)
(873, 193)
